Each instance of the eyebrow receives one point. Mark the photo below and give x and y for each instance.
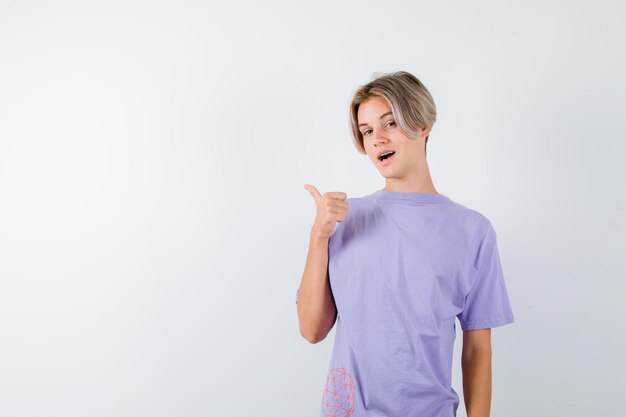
(381, 116)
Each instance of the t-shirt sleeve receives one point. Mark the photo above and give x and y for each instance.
(487, 303)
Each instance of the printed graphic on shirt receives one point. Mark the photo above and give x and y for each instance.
(338, 399)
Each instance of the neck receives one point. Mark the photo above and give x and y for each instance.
(419, 182)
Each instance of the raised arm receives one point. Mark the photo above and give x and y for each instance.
(316, 307)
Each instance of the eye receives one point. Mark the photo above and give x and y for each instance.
(391, 122)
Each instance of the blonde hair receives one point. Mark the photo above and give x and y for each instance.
(411, 104)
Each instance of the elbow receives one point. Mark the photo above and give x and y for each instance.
(314, 340)
(315, 331)
(315, 327)
(312, 337)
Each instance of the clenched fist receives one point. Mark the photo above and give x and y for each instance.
(332, 207)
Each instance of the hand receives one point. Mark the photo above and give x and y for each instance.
(332, 207)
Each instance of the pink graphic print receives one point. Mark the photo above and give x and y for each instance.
(338, 399)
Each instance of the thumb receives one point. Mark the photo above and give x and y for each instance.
(316, 194)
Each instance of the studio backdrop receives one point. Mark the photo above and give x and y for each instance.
(153, 220)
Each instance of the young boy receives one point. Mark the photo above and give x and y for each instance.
(395, 268)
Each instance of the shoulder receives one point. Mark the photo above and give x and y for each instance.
(359, 211)
(470, 216)
(474, 222)
(358, 204)
(480, 229)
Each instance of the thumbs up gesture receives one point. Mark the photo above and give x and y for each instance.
(332, 207)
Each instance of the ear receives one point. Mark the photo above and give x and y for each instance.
(425, 132)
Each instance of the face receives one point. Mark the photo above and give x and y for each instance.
(381, 133)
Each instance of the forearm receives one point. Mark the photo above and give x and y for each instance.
(476, 367)
(316, 306)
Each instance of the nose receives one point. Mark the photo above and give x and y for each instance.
(380, 139)
(378, 136)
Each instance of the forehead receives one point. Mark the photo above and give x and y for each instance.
(372, 109)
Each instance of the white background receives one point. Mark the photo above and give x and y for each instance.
(154, 224)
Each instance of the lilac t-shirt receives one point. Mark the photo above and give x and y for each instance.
(402, 267)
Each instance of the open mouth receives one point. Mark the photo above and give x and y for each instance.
(385, 157)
